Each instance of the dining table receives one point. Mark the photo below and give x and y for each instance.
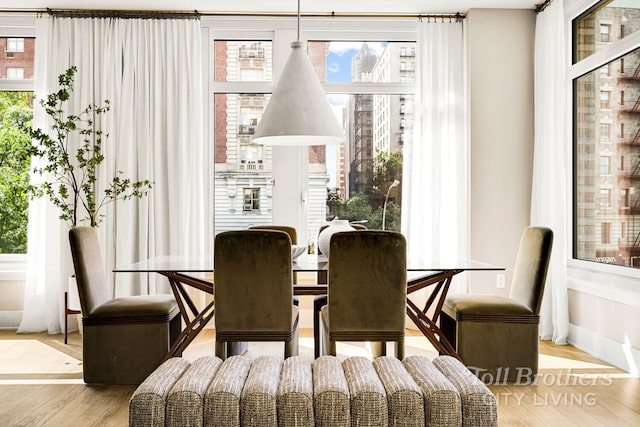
(184, 273)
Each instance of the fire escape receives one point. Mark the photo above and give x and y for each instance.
(631, 242)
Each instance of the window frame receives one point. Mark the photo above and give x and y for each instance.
(614, 50)
(282, 31)
(13, 266)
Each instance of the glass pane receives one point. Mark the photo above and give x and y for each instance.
(354, 179)
(607, 147)
(243, 170)
(607, 22)
(17, 57)
(382, 62)
(16, 109)
(243, 61)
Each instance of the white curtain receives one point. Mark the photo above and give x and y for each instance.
(151, 72)
(549, 203)
(435, 197)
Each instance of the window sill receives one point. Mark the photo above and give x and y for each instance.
(605, 281)
(13, 267)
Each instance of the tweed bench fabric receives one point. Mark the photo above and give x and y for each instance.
(404, 397)
(368, 397)
(331, 399)
(479, 406)
(258, 400)
(222, 400)
(268, 391)
(147, 405)
(185, 404)
(442, 405)
(295, 393)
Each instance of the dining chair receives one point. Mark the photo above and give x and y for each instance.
(293, 235)
(291, 231)
(124, 339)
(367, 290)
(497, 337)
(253, 290)
(320, 301)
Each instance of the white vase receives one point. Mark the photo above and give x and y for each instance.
(324, 238)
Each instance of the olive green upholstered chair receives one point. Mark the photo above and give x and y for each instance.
(124, 339)
(291, 231)
(497, 337)
(253, 290)
(320, 301)
(367, 293)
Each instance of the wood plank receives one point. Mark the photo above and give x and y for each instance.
(573, 389)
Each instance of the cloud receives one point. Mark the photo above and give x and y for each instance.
(338, 100)
(333, 67)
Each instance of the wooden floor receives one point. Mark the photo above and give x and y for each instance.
(41, 385)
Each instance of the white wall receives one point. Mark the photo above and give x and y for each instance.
(500, 61)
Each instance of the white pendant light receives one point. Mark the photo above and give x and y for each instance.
(298, 112)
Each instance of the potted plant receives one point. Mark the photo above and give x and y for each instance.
(69, 172)
(71, 150)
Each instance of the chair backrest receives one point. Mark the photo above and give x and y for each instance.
(291, 231)
(253, 281)
(367, 284)
(89, 268)
(532, 264)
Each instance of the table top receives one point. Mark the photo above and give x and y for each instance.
(304, 263)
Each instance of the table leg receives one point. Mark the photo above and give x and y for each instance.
(428, 325)
(185, 304)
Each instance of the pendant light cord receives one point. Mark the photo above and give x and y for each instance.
(298, 39)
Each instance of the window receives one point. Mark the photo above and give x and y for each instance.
(604, 100)
(241, 167)
(605, 165)
(251, 199)
(592, 29)
(605, 130)
(604, 33)
(361, 75)
(15, 110)
(15, 73)
(605, 232)
(607, 162)
(624, 198)
(15, 45)
(605, 197)
(17, 62)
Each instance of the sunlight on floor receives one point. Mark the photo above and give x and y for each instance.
(30, 357)
(554, 362)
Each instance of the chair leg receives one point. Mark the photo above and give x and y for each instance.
(65, 317)
(291, 347)
(221, 350)
(328, 346)
(318, 302)
(378, 348)
(400, 349)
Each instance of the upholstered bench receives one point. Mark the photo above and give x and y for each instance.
(268, 391)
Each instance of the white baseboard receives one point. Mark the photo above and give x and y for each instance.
(10, 319)
(619, 354)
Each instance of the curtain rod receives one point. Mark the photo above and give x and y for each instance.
(139, 14)
(542, 6)
(198, 13)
